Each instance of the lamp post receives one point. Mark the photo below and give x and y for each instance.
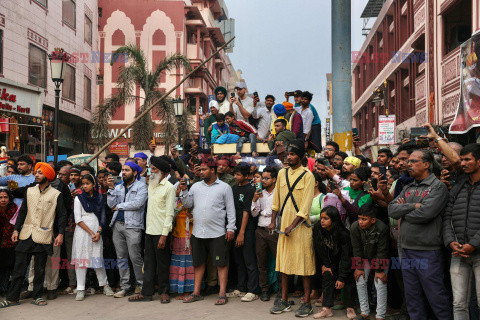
(58, 59)
(178, 105)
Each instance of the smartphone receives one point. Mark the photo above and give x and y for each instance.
(232, 94)
(355, 131)
(291, 94)
(326, 163)
(196, 162)
(258, 187)
(415, 132)
(178, 147)
(255, 94)
(187, 181)
(374, 184)
(153, 141)
(149, 171)
(117, 179)
(383, 172)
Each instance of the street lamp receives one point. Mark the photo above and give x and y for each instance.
(178, 105)
(58, 60)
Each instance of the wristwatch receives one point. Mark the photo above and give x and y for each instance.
(438, 139)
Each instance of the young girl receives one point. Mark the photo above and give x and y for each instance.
(358, 197)
(333, 250)
(87, 248)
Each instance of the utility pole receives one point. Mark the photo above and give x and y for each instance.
(341, 73)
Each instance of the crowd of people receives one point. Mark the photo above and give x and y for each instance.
(398, 233)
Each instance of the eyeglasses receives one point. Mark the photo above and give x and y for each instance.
(412, 161)
(329, 149)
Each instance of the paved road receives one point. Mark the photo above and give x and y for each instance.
(102, 307)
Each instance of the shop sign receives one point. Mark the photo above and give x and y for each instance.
(20, 100)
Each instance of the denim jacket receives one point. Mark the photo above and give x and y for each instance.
(133, 205)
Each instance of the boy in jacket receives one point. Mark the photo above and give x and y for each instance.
(370, 254)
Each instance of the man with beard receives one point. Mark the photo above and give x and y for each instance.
(24, 176)
(160, 213)
(264, 117)
(331, 148)
(222, 174)
(223, 104)
(292, 201)
(338, 159)
(214, 216)
(420, 206)
(242, 106)
(342, 179)
(42, 208)
(127, 200)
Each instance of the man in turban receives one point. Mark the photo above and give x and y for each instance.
(292, 200)
(34, 229)
(142, 160)
(221, 98)
(127, 201)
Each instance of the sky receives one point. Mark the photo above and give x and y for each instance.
(285, 45)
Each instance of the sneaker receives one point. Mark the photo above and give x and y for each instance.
(26, 295)
(90, 291)
(265, 296)
(108, 291)
(80, 295)
(280, 306)
(120, 294)
(51, 294)
(305, 310)
(249, 297)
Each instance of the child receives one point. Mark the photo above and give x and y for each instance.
(244, 250)
(358, 197)
(333, 250)
(89, 211)
(370, 239)
(219, 128)
(245, 131)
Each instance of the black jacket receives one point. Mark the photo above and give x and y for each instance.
(461, 222)
(372, 243)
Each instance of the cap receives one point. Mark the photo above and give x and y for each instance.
(241, 85)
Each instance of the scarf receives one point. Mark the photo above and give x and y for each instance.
(93, 203)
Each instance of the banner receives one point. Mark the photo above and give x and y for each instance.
(468, 110)
(386, 130)
(82, 158)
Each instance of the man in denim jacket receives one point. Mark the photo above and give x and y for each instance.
(127, 200)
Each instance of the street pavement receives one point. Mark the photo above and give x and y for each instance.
(102, 307)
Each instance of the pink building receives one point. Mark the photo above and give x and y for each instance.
(29, 31)
(162, 28)
(426, 87)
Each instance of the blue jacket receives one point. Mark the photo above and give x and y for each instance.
(133, 203)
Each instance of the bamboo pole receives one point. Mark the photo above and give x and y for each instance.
(156, 102)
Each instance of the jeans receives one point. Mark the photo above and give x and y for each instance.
(462, 270)
(328, 289)
(128, 245)
(253, 142)
(363, 295)
(246, 263)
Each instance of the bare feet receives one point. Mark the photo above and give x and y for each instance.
(324, 313)
(351, 313)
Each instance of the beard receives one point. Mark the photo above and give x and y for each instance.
(154, 179)
(128, 179)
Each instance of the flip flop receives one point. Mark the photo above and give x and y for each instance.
(218, 303)
(164, 298)
(192, 298)
(38, 302)
(6, 304)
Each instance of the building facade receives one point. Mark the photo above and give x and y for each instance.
(413, 47)
(195, 28)
(29, 31)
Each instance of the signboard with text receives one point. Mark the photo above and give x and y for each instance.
(17, 98)
(386, 130)
(120, 148)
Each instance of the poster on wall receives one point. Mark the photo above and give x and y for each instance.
(468, 110)
(386, 130)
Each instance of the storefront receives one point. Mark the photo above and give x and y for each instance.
(21, 125)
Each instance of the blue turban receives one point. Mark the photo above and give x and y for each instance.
(141, 155)
(135, 167)
(279, 109)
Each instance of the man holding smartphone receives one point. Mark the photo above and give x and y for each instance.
(243, 105)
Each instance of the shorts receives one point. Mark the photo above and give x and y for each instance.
(216, 247)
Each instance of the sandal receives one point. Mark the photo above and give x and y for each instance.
(164, 298)
(192, 298)
(6, 304)
(219, 301)
(139, 298)
(39, 302)
(361, 317)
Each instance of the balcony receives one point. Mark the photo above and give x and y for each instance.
(192, 53)
(450, 84)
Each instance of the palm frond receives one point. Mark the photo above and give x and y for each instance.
(168, 64)
(131, 51)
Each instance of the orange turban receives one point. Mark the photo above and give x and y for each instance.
(287, 105)
(46, 169)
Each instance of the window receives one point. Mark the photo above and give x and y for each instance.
(68, 91)
(88, 30)
(87, 93)
(43, 3)
(68, 12)
(457, 25)
(37, 67)
(1, 51)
